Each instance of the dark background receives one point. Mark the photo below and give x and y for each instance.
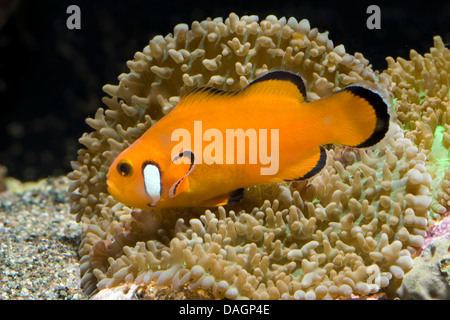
(51, 77)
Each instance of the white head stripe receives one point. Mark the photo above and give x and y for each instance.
(152, 182)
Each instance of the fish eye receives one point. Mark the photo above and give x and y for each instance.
(124, 169)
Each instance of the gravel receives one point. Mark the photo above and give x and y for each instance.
(39, 239)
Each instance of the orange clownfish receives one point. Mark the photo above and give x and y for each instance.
(214, 144)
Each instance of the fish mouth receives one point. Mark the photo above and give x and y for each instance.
(112, 189)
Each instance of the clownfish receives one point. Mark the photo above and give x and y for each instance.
(214, 143)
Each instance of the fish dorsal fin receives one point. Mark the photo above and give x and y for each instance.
(279, 82)
(203, 95)
(275, 83)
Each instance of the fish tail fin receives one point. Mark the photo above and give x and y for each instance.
(356, 117)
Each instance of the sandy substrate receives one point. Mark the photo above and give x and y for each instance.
(38, 242)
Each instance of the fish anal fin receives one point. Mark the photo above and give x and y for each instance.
(279, 82)
(310, 165)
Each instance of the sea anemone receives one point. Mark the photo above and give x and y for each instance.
(350, 230)
(421, 89)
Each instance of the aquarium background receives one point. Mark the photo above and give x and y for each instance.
(51, 77)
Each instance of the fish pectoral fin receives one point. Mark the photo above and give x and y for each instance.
(178, 172)
(236, 196)
(219, 200)
(178, 187)
(311, 164)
